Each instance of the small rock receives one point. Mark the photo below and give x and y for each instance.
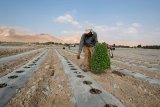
(115, 86)
(33, 88)
(150, 93)
(122, 100)
(47, 88)
(18, 90)
(7, 70)
(140, 87)
(130, 99)
(46, 91)
(68, 95)
(60, 87)
(145, 90)
(47, 66)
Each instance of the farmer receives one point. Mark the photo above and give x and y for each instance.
(87, 42)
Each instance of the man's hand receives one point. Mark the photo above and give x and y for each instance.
(78, 55)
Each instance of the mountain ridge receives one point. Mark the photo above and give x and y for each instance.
(13, 35)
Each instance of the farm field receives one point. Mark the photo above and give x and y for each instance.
(79, 53)
(50, 76)
(13, 50)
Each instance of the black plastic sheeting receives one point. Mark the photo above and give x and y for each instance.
(16, 79)
(86, 95)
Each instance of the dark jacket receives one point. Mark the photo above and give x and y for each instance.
(88, 41)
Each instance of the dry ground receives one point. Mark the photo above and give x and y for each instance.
(8, 67)
(130, 91)
(49, 87)
(8, 52)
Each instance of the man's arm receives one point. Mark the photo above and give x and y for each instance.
(80, 46)
(81, 43)
(96, 39)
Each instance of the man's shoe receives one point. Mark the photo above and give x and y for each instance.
(83, 68)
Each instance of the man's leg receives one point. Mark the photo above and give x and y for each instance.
(90, 56)
(86, 61)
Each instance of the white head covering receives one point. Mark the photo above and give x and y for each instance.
(87, 30)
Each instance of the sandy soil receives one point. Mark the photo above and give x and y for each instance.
(8, 52)
(148, 72)
(141, 57)
(49, 87)
(130, 91)
(134, 60)
(145, 57)
(8, 67)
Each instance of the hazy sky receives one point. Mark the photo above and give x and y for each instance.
(117, 21)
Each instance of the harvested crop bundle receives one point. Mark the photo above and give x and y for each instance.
(100, 60)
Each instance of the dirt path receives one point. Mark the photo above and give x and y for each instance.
(48, 87)
(153, 74)
(130, 91)
(8, 52)
(138, 56)
(8, 67)
(146, 71)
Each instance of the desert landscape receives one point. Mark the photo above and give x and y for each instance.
(79, 53)
(40, 78)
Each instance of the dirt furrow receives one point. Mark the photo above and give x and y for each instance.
(131, 91)
(8, 67)
(8, 52)
(48, 87)
(153, 74)
(148, 72)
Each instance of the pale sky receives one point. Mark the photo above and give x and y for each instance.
(115, 21)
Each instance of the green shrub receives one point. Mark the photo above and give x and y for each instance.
(100, 60)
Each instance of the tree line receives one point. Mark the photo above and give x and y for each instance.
(139, 46)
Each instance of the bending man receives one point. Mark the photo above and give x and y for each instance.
(87, 42)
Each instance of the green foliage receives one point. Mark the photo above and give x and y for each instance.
(152, 47)
(100, 60)
(139, 46)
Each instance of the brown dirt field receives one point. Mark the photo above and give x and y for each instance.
(130, 91)
(8, 67)
(147, 72)
(49, 87)
(8, 52)
(138, 56)
(153, 74)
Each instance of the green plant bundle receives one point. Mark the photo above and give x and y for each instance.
(100, 60)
